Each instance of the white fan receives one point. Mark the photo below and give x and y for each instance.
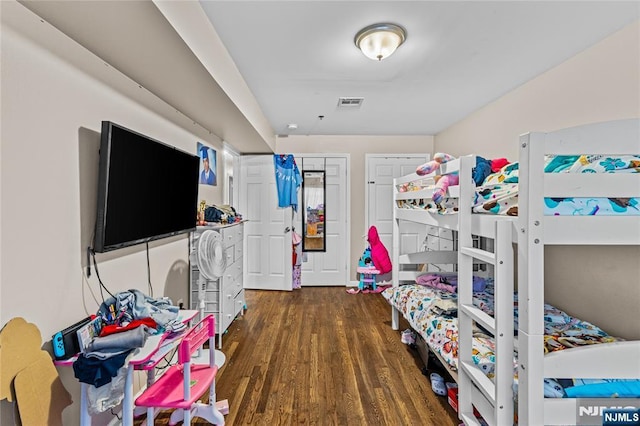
(211, 260)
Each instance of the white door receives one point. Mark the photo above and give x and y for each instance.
(329, 268)
(267, 250)
(381, 170)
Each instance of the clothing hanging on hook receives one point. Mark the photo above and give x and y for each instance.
(288, 180)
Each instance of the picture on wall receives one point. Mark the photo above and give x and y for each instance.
(207, 165)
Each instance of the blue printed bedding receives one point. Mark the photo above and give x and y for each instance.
(499, 192)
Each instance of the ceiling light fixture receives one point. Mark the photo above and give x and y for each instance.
(379, 41)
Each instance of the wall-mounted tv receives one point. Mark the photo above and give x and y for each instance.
(146, 189)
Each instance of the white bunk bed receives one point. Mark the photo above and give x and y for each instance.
(531, 230)
(498, 228)
(608, 360)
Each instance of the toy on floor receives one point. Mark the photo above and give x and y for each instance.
(373, 262)
(367, 272)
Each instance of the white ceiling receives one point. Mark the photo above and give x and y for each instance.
(298, 57)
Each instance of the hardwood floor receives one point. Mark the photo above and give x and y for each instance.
(320, 356)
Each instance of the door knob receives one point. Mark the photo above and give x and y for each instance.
(287, 229)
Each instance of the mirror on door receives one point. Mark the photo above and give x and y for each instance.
(313, 211)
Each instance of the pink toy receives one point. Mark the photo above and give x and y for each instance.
(379, 253)
(442, 184)
(367, 278)
(432, 166)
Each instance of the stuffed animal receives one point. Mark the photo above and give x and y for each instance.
(442, 182)
(432, 166)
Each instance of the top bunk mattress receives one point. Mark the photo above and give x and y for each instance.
(498, 193)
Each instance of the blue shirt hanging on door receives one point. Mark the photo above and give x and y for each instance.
(288, 180)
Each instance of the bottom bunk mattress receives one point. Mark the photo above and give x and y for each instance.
(432, 313)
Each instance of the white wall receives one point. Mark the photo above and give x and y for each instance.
(600, 84)
(51, 116)
(356, 147)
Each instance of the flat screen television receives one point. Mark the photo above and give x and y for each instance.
(146, 189)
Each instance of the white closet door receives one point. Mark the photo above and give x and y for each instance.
(328, 268)
(381, 172)
(267, 244)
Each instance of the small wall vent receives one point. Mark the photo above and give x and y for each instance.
(350, 102)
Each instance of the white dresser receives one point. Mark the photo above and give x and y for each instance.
(224, 297)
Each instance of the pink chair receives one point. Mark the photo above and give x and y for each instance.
(185, 383)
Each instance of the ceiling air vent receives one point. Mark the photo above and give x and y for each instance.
(350, 102)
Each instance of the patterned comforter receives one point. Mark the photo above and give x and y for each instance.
(417, 303)
(498, 194)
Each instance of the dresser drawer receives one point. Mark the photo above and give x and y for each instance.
(447, 234)
(230, 274)
(230, 253)
(238, 248)
(235, 269)
(231, 234)
(228, 282)
(237, 285)
(446, 245)
(239, 303)
(432, 230)
(232, 285)
(432, 243)
(232, 307)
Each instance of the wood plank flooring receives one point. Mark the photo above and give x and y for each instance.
(320, 356)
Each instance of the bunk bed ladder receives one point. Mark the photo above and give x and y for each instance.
(492, 398)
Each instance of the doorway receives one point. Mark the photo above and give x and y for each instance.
(267, 232)
(267, 253)
(329, 267)
(380, 170)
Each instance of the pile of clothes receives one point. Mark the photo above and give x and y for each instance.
(224, 213)
(126, 321)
